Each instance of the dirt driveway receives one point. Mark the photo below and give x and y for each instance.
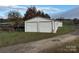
(39, 46)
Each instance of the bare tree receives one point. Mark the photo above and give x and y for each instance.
(14, 16)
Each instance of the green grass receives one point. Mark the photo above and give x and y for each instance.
(11, 38)
(66, 29)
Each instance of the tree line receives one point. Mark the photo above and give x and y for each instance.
(31, 12)
(16, 17)
(16, 21)
(74, 21)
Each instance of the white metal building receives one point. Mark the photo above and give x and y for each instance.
(39, 24)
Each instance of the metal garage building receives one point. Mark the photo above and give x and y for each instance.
(39, 24)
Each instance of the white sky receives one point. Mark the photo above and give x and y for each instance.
(38, 2)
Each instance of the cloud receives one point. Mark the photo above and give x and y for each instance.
(22, 9)
(5, 9)
(50, 10)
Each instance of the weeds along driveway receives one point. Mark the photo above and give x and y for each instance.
(41, 45)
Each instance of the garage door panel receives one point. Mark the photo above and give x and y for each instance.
(45, 27)
(31, 27)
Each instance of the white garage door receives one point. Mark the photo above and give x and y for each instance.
(45, 27)
(31, 27)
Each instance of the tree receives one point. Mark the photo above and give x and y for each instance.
(47, 16)
(32, 12)
(75, 21)
(14, 16)
(61, 19)
(39, 13)
(1, 20)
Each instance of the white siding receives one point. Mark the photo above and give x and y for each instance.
(31, 27)
(39, 24)
(45, 27)
(57, 24)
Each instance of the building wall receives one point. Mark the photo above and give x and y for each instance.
(57, 24)
(31, 27)
(45, 27)
(40, 25)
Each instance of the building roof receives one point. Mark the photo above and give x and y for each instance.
(38, 19)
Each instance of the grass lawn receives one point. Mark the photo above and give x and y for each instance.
(10, 38)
